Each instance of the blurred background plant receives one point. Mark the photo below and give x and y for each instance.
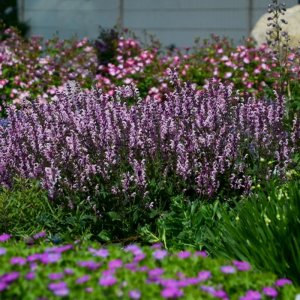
(9, 18)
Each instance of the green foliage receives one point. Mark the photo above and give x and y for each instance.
(264, 229)
(26, 210)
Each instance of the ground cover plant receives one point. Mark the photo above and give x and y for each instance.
(79, 271)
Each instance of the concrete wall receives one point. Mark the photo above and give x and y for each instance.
(172, 21)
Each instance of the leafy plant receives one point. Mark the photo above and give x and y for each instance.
(263, 229)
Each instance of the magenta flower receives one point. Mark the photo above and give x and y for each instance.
(282, 282)
(49, 258)
(134, 294)
(115, 264)
(160, 254)
(139, 257)
(228, 269)
(220, 294)
(83, 279)
(21, 261)
(154, 273)
(270, 291)
(251, 295)
(131, 266)
(60, 249)
(242, 265)
(184, 254)
(107, 280)
(55, 276)
(4, 237)
(171, 293)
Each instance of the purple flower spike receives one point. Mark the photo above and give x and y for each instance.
(242, 265)
(270, 291)
(282, 282)
(204, 275)
(134, 294)
(108, 280)
(171, 293)
(160, 254)
(251, 295)
(21, 261)
(2, 251)
(184, 254)
(228, 269)
(83, 279)
(4, 237)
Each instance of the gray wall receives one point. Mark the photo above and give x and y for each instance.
(172, 21)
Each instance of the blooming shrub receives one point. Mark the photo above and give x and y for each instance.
(197, 142)
(44, 271)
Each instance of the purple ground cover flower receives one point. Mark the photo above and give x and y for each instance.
(68, 271)
(9, 277)
(171, 293)
(107, 280)
(131, 266)
(83, 279)
(99, 252)
(156, 246)
(60, 249)
(21, 261)
(160, 254)
(30, 276)
(154, 273)
(228, 269)
(204, 275)
(49, 258)
(90, 264)
(89, 289)
(39, 235)
(59, 288)
(3, 286)
(251, 295)
(4, 237)
(184, 254)
(2, 251)
(242, 265)
(282, 282)
(134, 294)
(55, 276)
(270, 291)
(115, 264)
(201, 253)
(139, 257)
(134, 249)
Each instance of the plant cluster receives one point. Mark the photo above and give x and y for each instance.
(44, 271)
(120, 157)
